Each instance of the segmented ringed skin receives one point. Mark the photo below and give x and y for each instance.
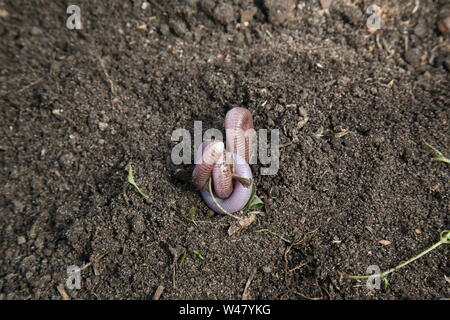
(211, 154)
(222, 179)
(240, 196)
(238, 126)
(214, 162)
(211, 163)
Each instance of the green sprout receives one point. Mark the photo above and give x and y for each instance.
(182, 257)
(133, 183)
(444, 239)
(274, 234)
(386, 283)
(438, 155)
(255, 203)
(192, 215)
(198, 255)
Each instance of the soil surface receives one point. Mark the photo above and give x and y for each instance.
(356, 185)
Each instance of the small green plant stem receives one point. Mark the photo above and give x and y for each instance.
(439, 156)
(217, 203)
(442, 159)
(133, 183)
(198, 254)
(274, 234)
(444, 239)
(182, 257)
(180, 221)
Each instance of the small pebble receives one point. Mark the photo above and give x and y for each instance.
(302, 111)
(247, 15)
(18, 206)
(102, 126)
(326, 3)
(138, 224)
(164, 29)
(21, 240)
(178, 28)
(444, 25)
(279, 108)
(279, 11)
(67, 160)
(36, 31)
(420, 30)
(274, 192)
(3, 13)
(412, 56)
(267, 269)
(224, 13)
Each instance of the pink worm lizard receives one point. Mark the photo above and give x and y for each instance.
(216, 168)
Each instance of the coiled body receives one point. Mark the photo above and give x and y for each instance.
(239, 197)
(222, 166)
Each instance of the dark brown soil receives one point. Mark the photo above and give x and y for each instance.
(78, 106)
